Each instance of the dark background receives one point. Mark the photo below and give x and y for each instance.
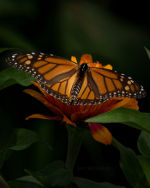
(114, 32)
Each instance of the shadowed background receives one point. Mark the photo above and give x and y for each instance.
(114, 32)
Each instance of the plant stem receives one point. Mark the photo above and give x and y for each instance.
(117, 144)
(75, 138)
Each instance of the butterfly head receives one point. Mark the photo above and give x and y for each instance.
(83, 67)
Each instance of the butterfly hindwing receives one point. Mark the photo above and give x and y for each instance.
(101, 84)
(112, 84)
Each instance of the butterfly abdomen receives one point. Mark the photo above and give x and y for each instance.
(78, 84)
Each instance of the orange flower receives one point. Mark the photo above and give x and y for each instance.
(71, 114)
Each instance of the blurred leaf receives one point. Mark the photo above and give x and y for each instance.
(3, 183)
(43, 150)
(145, 163)
(23, 184)
(54, 174)
(130, 166)
(148, 52)
(24, 139)
(126, 116)
(20, 139)
(11, 76)
(29, 179)
(7, 84)
(15, 39)
(17, 8)
(85, 183)
(144, 143)
(4, 154)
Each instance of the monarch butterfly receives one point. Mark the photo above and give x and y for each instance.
(76, 83)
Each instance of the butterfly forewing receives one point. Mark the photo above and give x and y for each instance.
(56, 75)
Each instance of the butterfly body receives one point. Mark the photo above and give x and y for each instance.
(76, 83)
(79, 81)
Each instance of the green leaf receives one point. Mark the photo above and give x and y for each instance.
(130, 166)
(54, 174)
(144, 143)
(85, 183)
(126, 116)
(23, 184)
(7, 84)
(145, 163)
(20, 139)
(148, 52)
(24, 139)
(29, 179)
(11, 76)
(4, 155)
(3, 183)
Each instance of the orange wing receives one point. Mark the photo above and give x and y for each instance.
(58, 76)
(55, 74)
(102, 84)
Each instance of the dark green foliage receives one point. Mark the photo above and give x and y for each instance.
(114, 32)
(144, 143)
(11, 76)
(85, 183)
(148, 52)
(20, 139)
(54, 174)
(126, 116)
(131, 166)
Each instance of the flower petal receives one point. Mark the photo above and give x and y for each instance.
(68, 121)
(86, 58)
(87, 111)
(127, 103)
(39, 87)
(108, 67)
(74, 59)
(49, 102)
(100, 133)
(43, 100)
(40, 116)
